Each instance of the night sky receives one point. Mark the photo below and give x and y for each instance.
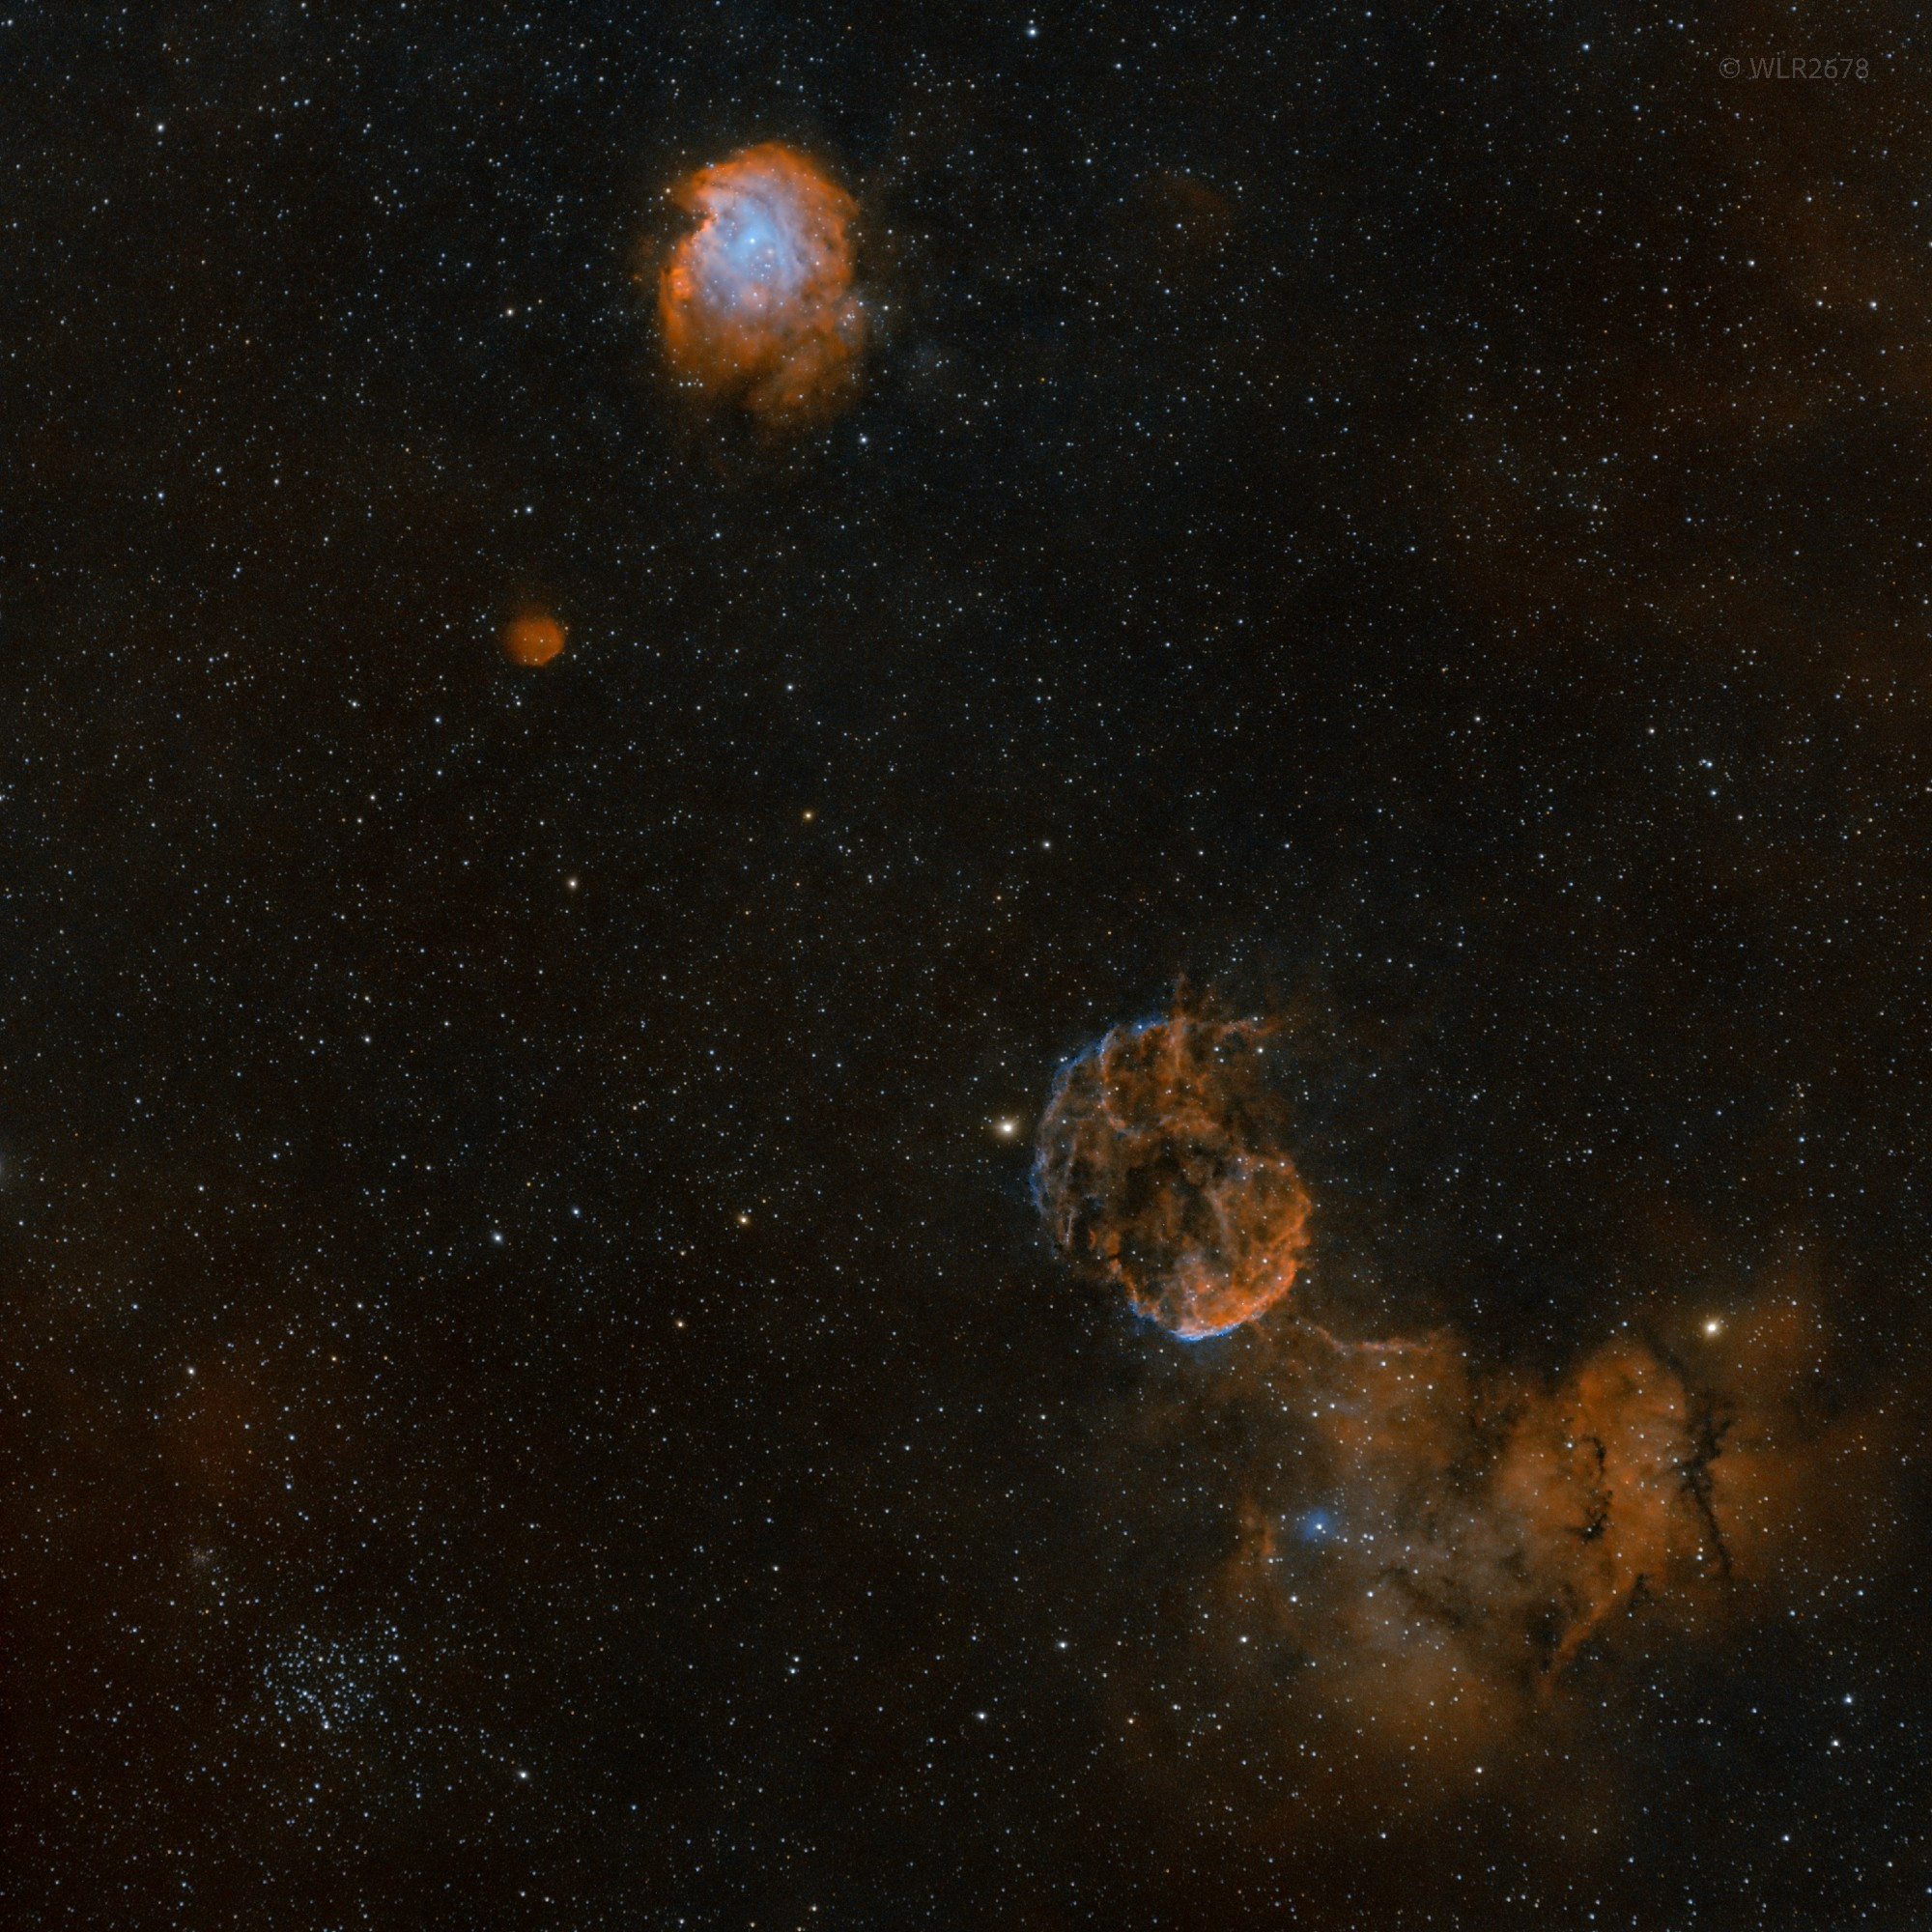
(1386, 546)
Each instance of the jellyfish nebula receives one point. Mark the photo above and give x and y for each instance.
(1162, 1163)
(756, 302)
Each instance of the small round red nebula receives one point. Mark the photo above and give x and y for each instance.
(757, 302)
(533, 638)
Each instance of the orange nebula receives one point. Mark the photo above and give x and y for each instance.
(757, 302)
(1463, 1561)
(1162, 1161)
(533, 639)
(1513, 1519)
(1471, 1558)
(1606, 1484)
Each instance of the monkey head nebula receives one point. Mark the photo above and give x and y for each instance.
(756, 302)
(1162, 1163)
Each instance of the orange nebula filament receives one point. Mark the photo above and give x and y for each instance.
(757, 302)
(1161, 1162)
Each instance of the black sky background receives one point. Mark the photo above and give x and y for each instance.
(534, 1395)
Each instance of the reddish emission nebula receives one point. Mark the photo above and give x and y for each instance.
(757, 302)
(533, 639)
(1162, 1163)
(1465, 1560)
(1454, 1541)
(1446, 1549)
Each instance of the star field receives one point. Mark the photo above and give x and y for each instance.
(544, 905)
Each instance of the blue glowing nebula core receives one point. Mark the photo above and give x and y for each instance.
(757, 302)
